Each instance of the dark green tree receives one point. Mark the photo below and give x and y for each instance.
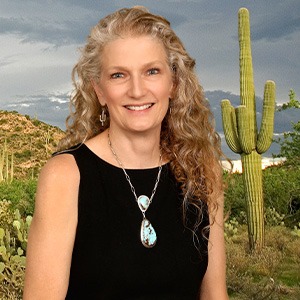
(290, 142)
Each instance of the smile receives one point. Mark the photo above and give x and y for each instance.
(138, 107)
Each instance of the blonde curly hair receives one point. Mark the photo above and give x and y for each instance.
(188, 137)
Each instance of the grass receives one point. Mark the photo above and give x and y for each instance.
(271, 274)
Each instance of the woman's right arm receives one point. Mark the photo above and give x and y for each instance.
(52, 231)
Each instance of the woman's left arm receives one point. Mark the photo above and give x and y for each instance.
(213, 286)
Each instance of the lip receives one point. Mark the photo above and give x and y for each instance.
(139, 107)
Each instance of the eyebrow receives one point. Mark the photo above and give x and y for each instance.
(146, 65)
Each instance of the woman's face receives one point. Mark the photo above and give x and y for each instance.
(135, 83)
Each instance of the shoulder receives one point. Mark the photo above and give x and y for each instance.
(60, 166)
(58, 181)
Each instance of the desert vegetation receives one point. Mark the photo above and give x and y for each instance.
(25, 145)
(273, 273)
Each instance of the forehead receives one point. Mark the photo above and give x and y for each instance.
(133, 50)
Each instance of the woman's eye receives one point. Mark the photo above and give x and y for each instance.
(116, 75)
(153, 71)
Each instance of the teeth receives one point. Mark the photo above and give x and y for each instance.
(141, 107)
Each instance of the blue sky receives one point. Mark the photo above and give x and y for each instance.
(40, 40)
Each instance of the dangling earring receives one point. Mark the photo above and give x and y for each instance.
(102, 117)
(170, 106)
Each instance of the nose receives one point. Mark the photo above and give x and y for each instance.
(137, 88)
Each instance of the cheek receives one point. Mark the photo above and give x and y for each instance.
(169, 84)
(112, 95)
(165, 91)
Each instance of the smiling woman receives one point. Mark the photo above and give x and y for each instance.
(132, 205)
(137, 90)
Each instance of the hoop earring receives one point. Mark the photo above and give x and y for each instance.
(102, 117)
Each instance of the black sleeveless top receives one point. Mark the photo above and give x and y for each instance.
(109, 260)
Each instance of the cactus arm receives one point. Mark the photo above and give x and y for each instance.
(1, 165)
(247, 91)
(6, 166)
(230, 126)
(244, 131)
(6, 169)
(12, 167)
(265, 136)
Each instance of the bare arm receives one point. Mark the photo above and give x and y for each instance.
(214, 282)
(52, 230)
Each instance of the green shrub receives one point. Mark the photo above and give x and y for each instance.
(273, 218)
(13, 242)
(281, 191)
(3, 121)
(21, 194)
(36, 122)
(281, 186)
(24, 154)
(234, 194)
(296, 230)
(231, 228)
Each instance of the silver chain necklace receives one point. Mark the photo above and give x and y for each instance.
(147, 233)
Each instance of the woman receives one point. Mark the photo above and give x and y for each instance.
(134, 209)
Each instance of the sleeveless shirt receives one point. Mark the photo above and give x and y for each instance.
(108, 260)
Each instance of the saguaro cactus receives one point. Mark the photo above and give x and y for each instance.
(6, 165)
(242, 136)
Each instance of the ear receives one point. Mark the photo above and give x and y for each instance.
(172, 90)
(98, 92)
(173, 82)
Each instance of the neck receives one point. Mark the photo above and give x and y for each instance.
(138, 151)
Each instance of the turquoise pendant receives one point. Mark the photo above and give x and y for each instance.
(143, 203)
(148, 234)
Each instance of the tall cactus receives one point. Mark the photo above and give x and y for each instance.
(6, 165)
(242, 136)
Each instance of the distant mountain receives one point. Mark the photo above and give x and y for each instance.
(54, 108)
(29, 140)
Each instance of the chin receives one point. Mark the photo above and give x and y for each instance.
(145, 128)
